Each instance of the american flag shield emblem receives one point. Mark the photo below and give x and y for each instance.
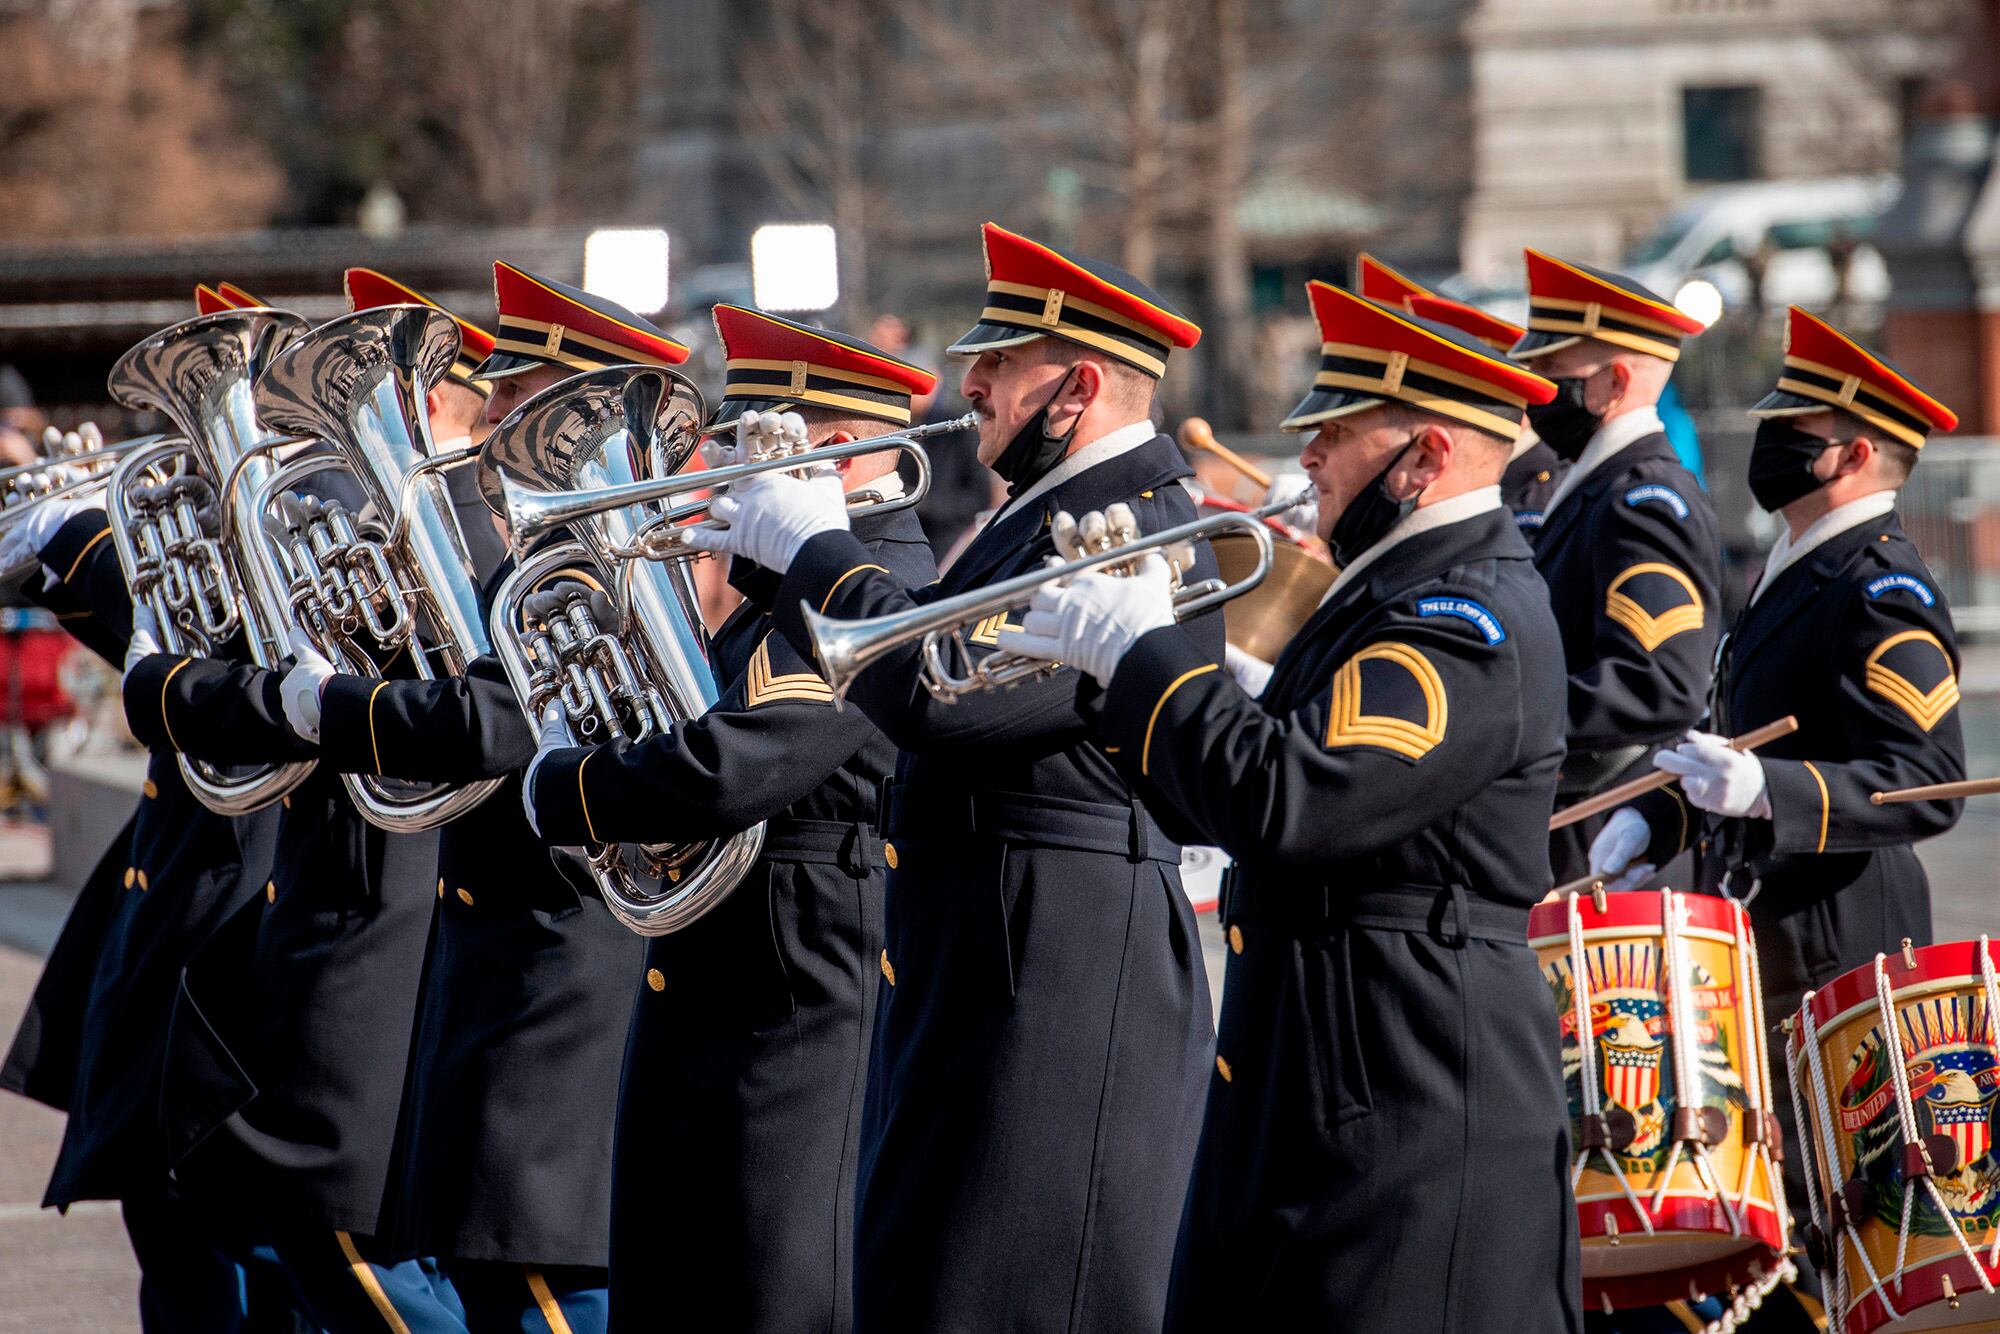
(1970, 1126)
(1631, 1074)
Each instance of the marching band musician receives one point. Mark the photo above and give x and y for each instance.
(1627, 544)
(750, 1037)
(91, 1041)
(507, 1124)
(1035, 1084)
(1533, 469)
(1386, 1063)
(1848, 631)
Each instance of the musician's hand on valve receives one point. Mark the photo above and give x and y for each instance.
(1092, 620)
(1717, 779)
(145, 640)
(299, 692)
(552, 736)
(771, 516)
(1624, 836)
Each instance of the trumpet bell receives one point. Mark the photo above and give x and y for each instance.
(599, 428)
(1261, 621)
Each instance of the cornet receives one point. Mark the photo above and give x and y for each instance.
(530, 513)
(846, 648)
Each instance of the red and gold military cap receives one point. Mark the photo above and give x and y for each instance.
(239, 298)
(776, 365)
(1496, 333)
(1824, 368)
(1570, 302)
(1371, 354)
(547, 323)
(1036, 291)
(1378, 282)
(367, 289)
(208, 301)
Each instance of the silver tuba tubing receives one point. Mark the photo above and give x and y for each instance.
(846, 648)
(171, 503)
(358, 383)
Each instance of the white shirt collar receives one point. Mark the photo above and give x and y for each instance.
(451, 445)
(1607, 440)
(1422, 520)
(1101, 450)
(889, 486)
(1786, 553)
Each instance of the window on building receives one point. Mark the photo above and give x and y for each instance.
(1719, 133)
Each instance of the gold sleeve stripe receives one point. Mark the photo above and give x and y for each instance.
(843, 579)
(1347, 725)
(583, 800)
(1926, 708)
(546, 1301)
(364, 1274)
(760, 686)
(1146, 750)
(1825, 804)
(373, 744)
(87, 546)
(163, 701)
(1652, 631)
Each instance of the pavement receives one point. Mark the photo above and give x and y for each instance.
(75, 1272)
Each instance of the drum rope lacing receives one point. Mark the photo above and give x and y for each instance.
(1906, 1113)
(1687, 1074)
(1587, 1054)
(1830, 1155)
(1749, 1298)
(1757, 1072)
(1990, 982)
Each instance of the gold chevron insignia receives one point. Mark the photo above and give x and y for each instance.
(761, 687)
(1925, 707)
(987, 633)
(1349, 726)
(1650, 629)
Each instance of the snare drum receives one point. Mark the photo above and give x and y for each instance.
(1678, 1189)
(1900, 1162)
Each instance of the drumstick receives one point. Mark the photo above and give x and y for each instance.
(1592, 885)
(1624, 792)
(1197, 434)
(1970, 787)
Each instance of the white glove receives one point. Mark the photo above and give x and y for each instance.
(1717, 779)
(1624, 836)
(771, 516)
(552, 736)
(1294, 484)
(1251, 672)
(299, 692)
(145, 640)
(35, 529)
(1091, 621)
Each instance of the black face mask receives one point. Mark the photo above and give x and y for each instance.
(1564, 421)
(1033, 450)
(1781, 463)
(1369, 516)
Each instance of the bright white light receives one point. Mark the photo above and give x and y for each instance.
(794, 266)
(1698, 299)
(627, 265)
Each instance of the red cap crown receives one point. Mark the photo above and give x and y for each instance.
(1496, 333)
(1370, 354)
(1378, 282)
(208, 301)
(1824, 368)
(366, 289)
(1570, 302)
(547, 323)
(774, 364)
(239, 298)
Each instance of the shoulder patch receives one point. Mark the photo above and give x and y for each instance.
(1912, 671)
(1660, 492)
(1465, 609)
(1654, 601)
(1908, 583)
(761, 686)
(1388, 695)
(1529, 518)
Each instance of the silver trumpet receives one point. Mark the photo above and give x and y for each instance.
(618, 643)
(530, 513)
(179, 514)
(400, 579)
(845, 648)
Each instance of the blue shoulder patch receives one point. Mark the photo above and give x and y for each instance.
(1909, 583)
(1466, 610)
(1529, 518)
(1666, 495)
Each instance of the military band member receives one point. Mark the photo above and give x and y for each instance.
(1628, 542)
(1848, 631)
(1035, 1085)
(1387, 1067)
(507, 1124)
(750, 1037)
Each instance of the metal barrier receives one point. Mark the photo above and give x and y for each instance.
(1951, 510)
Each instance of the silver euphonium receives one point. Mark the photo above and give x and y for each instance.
(628, 657)
(181, 509)
(398, 576)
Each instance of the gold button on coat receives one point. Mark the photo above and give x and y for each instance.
(142, 880)
(440, 886)
(1236, 939)
(1222, 1068)
(888, 969)
(270, 891)
(151, 788)
(889, 854)
(131, 876)
(656, 979)
(465, 896)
